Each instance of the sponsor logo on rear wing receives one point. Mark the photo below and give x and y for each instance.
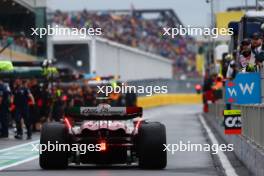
(86, 111)
(106, 110)
(120, 111)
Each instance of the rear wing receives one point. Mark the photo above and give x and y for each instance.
(104, 113)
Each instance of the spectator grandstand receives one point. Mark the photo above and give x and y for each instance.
(132, 28)
(16, 20)
(21, 42)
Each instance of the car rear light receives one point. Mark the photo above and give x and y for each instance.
(138, 123)
(65, 98)
(102, 146)
(67, 122)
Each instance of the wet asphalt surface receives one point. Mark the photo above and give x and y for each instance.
(182, 124)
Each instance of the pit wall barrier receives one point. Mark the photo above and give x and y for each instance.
(249, 146)
(168, 99)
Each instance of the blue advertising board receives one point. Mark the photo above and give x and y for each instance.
(244, 89)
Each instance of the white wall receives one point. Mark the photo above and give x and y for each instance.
(129, 63)
(111, 58)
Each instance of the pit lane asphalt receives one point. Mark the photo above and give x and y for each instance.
(182, 125)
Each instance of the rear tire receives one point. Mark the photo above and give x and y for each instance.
(52, 132)
(151, 140)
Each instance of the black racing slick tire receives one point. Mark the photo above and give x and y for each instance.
(151, 140)
(53, 133)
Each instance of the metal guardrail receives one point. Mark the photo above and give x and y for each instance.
(262, 85)
(252, 120)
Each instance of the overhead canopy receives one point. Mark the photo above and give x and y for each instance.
(6, 66)
(9, 69)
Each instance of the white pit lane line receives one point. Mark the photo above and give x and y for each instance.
(19, 162)
(229, 169)
(17, 155)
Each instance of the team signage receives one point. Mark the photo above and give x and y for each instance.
(232, 122)
(244, 89)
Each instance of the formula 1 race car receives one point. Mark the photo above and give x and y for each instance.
(113, 135)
